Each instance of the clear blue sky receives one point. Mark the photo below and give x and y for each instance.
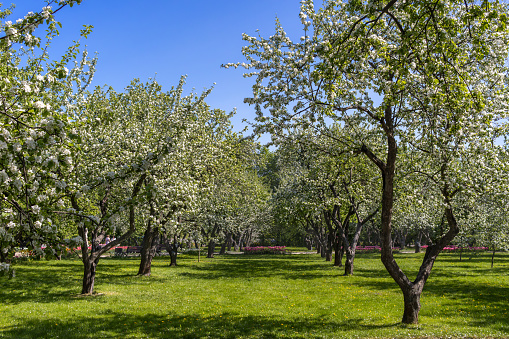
(136, 39)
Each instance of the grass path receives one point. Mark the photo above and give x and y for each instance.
(234, 296)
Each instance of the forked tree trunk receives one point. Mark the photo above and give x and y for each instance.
(173, 254)
(91, 259)
(248, 238)
(237, 242)
(322, 251)
(411, 290)
(229, 241)
(335, 241)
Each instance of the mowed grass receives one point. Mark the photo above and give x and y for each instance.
(237, 296)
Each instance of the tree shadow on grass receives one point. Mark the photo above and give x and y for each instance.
(484, 304)
(112, 324)
(50, 281)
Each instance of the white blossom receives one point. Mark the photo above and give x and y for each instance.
(36, 209)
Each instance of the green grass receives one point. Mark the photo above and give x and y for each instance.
(235, 296)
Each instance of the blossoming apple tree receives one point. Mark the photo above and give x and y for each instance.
(335, 185)
(177, 181)
(34, 133)
(124, 142)
(428, 76)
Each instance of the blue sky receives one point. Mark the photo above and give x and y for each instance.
(137, 39)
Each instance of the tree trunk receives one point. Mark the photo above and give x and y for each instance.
(338, 255)
(5, 257)
(237, 242)
(493, 257)
(148, 250)
(402, 239)
(248, 238)
(322, 251)
(172, 249)
(412, 302)
(173, 254)
(210, 249)
(309, 244)
(229, 241)
(89, 275)
(328, 255)
(223, 248)
(329, 249)
(350, 255)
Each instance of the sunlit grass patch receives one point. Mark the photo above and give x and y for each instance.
(235, 296)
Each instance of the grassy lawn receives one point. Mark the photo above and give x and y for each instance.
(236, 296)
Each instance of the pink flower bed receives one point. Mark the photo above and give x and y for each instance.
(457, 248)
(371, 249)
(265, 250)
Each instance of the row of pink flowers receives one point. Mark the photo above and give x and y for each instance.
(467, 248)
(446, 249)
(265, 250)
